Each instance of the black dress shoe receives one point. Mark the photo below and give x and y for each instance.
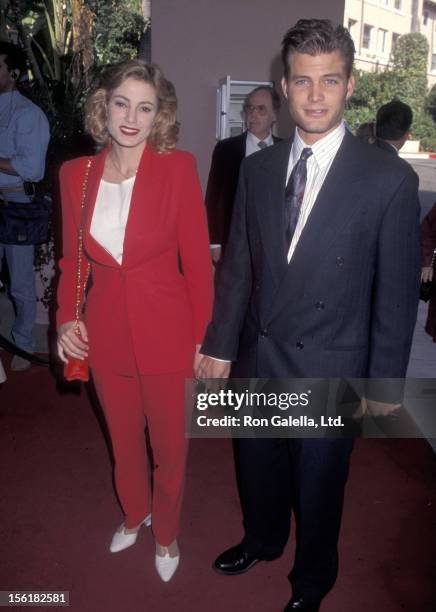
(302, 605)
(234, 561)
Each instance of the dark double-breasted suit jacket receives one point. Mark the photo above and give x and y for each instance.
(345, 305)
(222, 183)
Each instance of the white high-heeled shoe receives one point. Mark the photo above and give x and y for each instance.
(166, 565)
(122, 540)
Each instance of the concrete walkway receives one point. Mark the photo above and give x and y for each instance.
(422, 362)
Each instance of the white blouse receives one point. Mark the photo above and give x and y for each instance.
(111, 212)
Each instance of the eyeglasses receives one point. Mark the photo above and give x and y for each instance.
(261, 109)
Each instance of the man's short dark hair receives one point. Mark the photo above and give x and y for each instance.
(15, 58)
(275, 98)
(317, 36)
(393, 120)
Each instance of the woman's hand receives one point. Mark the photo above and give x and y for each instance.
(71, 344)
(427, 274)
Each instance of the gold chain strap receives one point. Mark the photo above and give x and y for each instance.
(79, 285)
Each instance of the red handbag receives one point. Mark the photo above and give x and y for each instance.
(78, 369)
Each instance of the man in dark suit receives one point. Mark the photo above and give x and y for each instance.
(392, 126)
(320, 279)
(260, 112)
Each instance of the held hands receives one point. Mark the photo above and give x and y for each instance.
(215, 252)
(208, 367)
(427, 274)
(70, 343)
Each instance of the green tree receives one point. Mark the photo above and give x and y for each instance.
(366, 97)
(406, 80)
(67, 43)
(122, 39)
(430, 103)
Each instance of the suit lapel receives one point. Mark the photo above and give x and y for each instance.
(144, 210)
(270, 197)
(332, 210)
(242, 145)
(94, 249)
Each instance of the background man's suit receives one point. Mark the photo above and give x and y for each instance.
(386, 146)
(221, 187)
(345, 306)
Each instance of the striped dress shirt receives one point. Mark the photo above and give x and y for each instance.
(318, 165)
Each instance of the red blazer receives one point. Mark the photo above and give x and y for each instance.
(143, 314)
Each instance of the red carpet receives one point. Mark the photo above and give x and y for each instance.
(58, 513)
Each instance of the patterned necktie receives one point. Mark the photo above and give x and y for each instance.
(262, 144)
(294, 194)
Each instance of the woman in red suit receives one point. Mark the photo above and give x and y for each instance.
(144, 318)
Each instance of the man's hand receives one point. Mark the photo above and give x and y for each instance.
(427, 274)
(6, 167)
(209, 367)
(371, 408)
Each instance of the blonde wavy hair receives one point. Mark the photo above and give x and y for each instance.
(165, 130)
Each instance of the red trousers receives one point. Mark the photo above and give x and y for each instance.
(157, 402)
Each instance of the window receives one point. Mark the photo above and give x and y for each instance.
(382, 40)
(425, 17)
(433, 62)
(398, 4)
(366, 42)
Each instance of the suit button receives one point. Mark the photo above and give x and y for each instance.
(339, 261)
(264, 333)
(300, 345)
(257, 287)
(319, 305)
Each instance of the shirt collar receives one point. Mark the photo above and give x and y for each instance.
(254, 139)
(7, 96)
(393, 146)
(323, 150)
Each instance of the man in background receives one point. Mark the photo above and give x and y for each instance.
(392, 127)
(24, 137)
(260, 112)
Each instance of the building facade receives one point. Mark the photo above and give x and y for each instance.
(376, 25)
